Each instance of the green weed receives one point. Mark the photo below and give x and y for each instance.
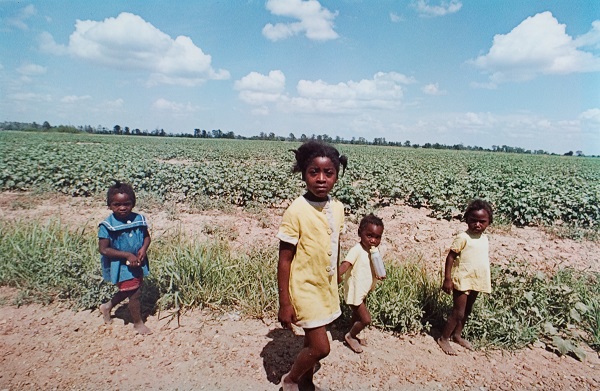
(48, 262)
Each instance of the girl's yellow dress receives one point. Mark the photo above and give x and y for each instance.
(314, 228)
(471, 268)
(360, 278)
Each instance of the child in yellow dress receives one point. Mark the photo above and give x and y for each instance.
(361, 279)
(467, 272)
(308, 257)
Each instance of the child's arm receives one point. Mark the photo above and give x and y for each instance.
(448, 285)
(141, 255)
(286, 315)
(343, 269)
(107, 251)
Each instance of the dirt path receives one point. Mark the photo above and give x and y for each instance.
(47, 348)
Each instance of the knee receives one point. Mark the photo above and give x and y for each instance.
(458, 313)
(320, 352)
(367, 320)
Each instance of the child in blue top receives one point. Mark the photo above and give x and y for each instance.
(123, 241)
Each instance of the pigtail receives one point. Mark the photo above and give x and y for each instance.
(344, 162)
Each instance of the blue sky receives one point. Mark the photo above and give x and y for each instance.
(495, 72)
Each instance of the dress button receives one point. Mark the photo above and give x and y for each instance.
(329, 231)
(329, 252)
(328, 268)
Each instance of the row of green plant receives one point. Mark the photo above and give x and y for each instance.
(47, 262)
(525, 190)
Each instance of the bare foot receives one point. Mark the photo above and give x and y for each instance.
(463, 342)
(445, 345)
(288, 385)
(141, 328)
(362, 341)
(105, 311)
(353, 343)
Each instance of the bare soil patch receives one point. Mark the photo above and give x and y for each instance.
(55, 348)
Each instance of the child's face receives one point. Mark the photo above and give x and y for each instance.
(320, 177)
(370, 236)
(478, 221)
(121, 205)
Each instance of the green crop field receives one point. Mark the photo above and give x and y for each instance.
(524, 189)
(46, 261)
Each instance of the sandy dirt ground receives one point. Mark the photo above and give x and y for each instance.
(54, 348)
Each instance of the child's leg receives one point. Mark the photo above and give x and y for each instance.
(108, 306)
(135, 309)
(456, 335)
(361, 318)
(316, 347)
(457, 315)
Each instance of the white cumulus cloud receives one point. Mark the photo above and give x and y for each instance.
(74, 98)
(31, 69)
(174, 107)
(128, 42)
(591, 115)
(433, 89)
(257, 89)
(315, 21)
(383, 92)
(538, 46)
(19, 20)
(444, 8)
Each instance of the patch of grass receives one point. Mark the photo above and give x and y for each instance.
(48, 262)
(221, 231)
(574, 232)
(201, 203)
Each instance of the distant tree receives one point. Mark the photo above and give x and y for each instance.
(570, 153)
(126, 131)
(197, 132)
(291, 137)
(117, 129)
(407, 143)
(46, 125)
(303, 137)
(579, 153)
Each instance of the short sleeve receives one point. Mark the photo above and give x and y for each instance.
(289, 230)
(458, 244)
(353, 255)
(102, 232)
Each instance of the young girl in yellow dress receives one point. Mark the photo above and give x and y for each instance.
(467, 272)
(308, 257)
(361, 277)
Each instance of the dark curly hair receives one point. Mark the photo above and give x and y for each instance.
(314, 148)
(369, 219)
(479, 204)
(120, 188)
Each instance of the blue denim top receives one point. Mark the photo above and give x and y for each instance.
(124, 236)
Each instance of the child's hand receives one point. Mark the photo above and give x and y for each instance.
(448, 285)
(141, 256)
(132, 260)
(287, 316)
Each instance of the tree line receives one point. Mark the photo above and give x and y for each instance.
(218, 134)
